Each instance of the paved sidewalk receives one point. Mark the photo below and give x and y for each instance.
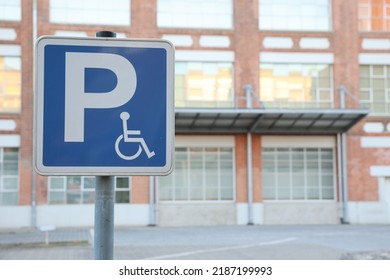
(207, 243)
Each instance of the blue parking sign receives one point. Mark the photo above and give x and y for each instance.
(103, 106)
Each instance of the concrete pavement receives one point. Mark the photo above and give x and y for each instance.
(230, 242)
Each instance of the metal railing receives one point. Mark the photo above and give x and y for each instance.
(252, 99)
(249, 97)
(343, 92)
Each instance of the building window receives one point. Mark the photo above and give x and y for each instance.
(296, 85)
(201, 174)
(81, 190)
(375, 88)
(10, 10)
(10, 84)
(100, 12)
(216, 14)
(298, 174)
(374, 15)
(295, 15)
(204, 84)
(122, 190)
(9, 176)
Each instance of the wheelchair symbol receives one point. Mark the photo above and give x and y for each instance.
(127, 138)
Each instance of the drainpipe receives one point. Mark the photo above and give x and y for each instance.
(248, 92)
(343, 160)
(340, 177)
(33, 218)
(250, 185)
(248, 96)
(345, 179)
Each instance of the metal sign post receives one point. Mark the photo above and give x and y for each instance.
(104, 206)
(104, 218)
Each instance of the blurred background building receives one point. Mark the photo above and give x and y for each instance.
(282, 112)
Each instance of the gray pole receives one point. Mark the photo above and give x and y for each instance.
(249, 176)
(248, 96)
(342, 92)
(104, 206)
(340, 177)
(33, 173)
(152, 217)
(344, 177)
(104, 218)
(248, 92)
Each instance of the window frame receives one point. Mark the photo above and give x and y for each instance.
(19, 18)
(117, 189)
(3, 84)
(201, 26)
(305, 173)
(269, 15)
(215, 103)
(383, 18)
(98, 22)
(83, 189)
(187, 174)
(370, 89)
(2, 177)
(318, 101)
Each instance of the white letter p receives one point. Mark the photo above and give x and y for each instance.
(76, 99)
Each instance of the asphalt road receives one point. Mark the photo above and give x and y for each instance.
(207, 243)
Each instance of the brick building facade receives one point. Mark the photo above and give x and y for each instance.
(268, 76)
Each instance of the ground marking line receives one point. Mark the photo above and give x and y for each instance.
(222, 249)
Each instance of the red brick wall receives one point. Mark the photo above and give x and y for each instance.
(246, 42)
(26, 128)
(256, 169)
(140, 190)
(241, 170)
(363, 186)
(346, 50)
(246, 47)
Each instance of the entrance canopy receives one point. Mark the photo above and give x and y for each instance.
(266, 121)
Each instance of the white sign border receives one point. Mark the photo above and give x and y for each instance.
(39, 107)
